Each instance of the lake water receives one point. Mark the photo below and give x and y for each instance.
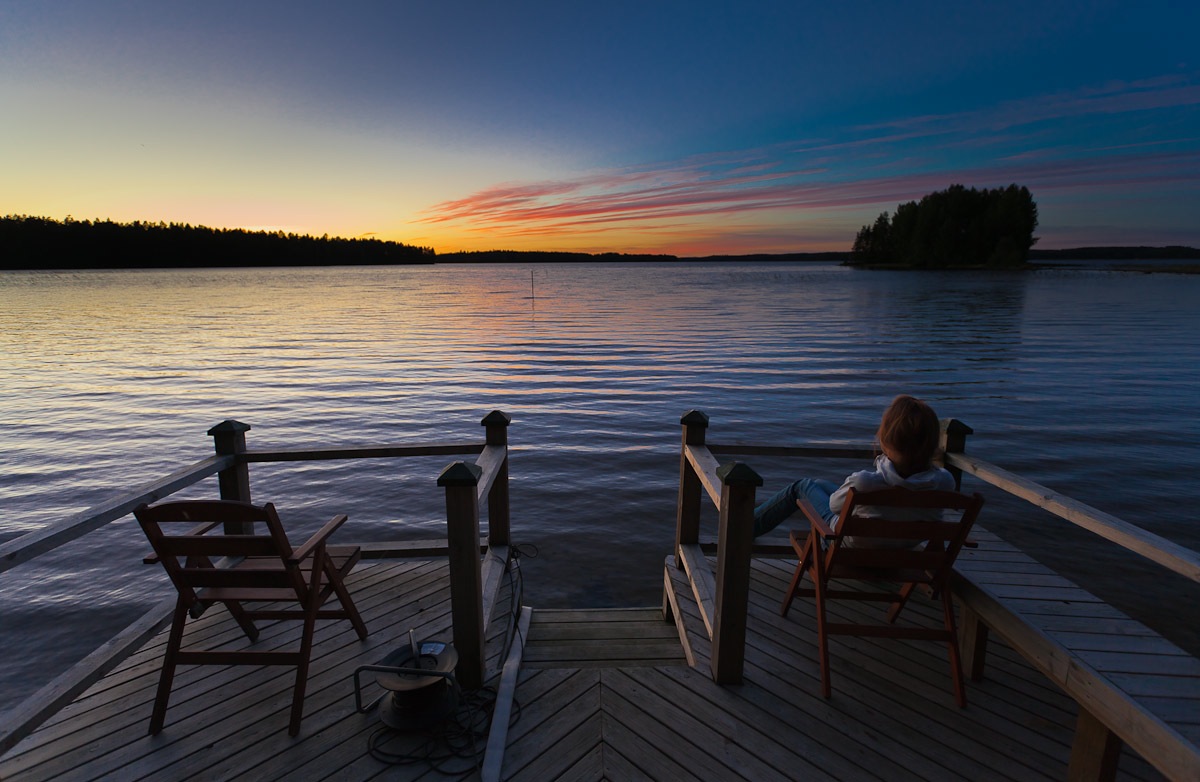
(1084, 380)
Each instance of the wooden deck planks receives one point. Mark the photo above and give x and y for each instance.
(749, 749)
(225, 706)
(1006, 722)
(617, 711)
(130, 682)
(549, 715)
(1019, 685)
(602, 638)
(205, 695)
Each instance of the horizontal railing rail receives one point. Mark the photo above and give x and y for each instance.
(1158, 549)
(40, 541)
(705, 465)
(362, 452)
(818, 451)
(33, 544)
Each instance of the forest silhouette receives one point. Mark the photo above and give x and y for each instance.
(43, 243)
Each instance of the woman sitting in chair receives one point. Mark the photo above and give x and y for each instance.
(908, 437)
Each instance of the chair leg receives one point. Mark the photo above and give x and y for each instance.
(801, 566)
(301, 676)
(306, 640)
(822, 635)
(159, 716)
(343, 594)
(960, 692)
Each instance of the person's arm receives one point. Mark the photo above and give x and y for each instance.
(838, 498)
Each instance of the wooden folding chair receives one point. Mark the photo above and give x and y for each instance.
(255, 568)
(910, 538)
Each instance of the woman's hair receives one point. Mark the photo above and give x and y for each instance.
(910, 431)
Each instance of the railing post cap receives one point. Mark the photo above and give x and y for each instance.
(460, 474)
(694, 418)
(228, 426)
(738, 472)
(955, 426)
(496, 417)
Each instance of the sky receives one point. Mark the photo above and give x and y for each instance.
(689, 128)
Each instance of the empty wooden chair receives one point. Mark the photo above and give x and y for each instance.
(250, 570)
(909, 538)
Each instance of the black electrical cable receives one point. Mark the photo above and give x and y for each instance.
(454, 747)
(461, 737)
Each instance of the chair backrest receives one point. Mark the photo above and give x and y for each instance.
(903, 529)
(185, 539)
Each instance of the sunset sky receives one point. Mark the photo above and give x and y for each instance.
(690, 128)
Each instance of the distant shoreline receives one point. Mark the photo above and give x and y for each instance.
(1139, 253)
(43, 244)
(1060, 260)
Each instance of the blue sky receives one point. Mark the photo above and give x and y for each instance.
(689, 128)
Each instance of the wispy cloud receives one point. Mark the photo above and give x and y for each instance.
(1049, 143)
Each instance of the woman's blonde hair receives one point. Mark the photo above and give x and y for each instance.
(910, 431)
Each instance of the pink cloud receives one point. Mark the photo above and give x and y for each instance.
(761, 197)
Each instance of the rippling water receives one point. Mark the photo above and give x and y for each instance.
(1083, 380)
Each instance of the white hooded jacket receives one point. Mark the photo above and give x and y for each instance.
(885, 476)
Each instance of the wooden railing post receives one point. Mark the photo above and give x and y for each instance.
(461, 481)
(735, 542)
(1095, 751)
(954, 440)
(498, 511)
(972, 631)
(229, 439)
(687, 516)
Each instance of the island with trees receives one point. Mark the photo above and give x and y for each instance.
(956, 227)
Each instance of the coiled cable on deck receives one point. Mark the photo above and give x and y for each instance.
(455, 747)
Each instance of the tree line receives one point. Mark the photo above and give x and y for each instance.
(958, 226)
(43, 243)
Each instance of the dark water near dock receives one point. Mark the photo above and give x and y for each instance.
(1083, 380)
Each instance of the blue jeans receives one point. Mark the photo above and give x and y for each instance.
(774, 511)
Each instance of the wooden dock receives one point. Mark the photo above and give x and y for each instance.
(632, 709)
(723, 689)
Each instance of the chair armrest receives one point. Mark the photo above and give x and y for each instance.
(152, 559)
(816, 520)
(317, 539)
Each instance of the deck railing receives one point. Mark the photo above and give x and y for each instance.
(473, 582)
(723, 595)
